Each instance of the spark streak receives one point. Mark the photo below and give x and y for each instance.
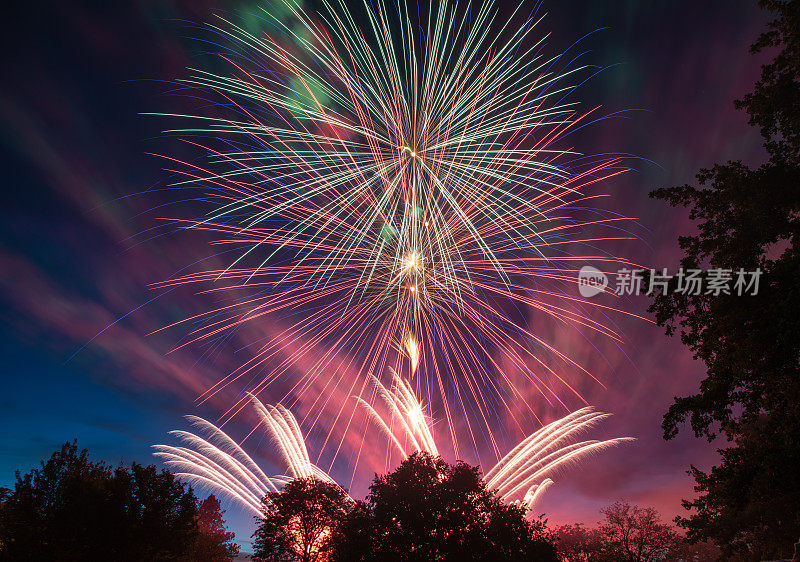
(406, 414)
(522, 473)
(220, 463)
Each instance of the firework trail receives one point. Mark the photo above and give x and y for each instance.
(521, 476)
(286, 434)
(390, 189)
(526, 468)
(220, 463)
(407, 427)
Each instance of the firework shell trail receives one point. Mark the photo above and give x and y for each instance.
(527, 468)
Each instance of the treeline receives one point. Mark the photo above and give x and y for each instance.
(629, 533)
(427, 509)
(72, 508)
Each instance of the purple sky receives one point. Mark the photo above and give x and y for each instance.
(75, 256)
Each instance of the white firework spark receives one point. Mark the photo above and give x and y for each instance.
(220, 463)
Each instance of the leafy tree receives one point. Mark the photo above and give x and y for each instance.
(629, 533)
(4, 494)
(428, 510)
(703, 551)
(747, 219)
(214, 542)
(749, 503)
(158, 514)
(578, 543)
(72, 508)
(301, 522)
(636, 534)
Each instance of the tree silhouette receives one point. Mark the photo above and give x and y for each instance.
(5, 493)
(75, 509)
(578, 543)
(214, 542)
(747, 219)
(636, 534)
(629, 534)
(301, 522)
(428, 510)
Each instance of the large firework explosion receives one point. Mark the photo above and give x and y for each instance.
(398, 193)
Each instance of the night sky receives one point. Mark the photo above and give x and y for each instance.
(80, 246)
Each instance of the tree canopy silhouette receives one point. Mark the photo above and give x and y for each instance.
(214, 542)
(72, 508)
(578, 543)
(629, 533)
(636, 534)
(748, 218)
(300, 522)
(427, 509)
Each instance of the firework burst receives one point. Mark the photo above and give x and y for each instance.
(393, 188)
(525, 471)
